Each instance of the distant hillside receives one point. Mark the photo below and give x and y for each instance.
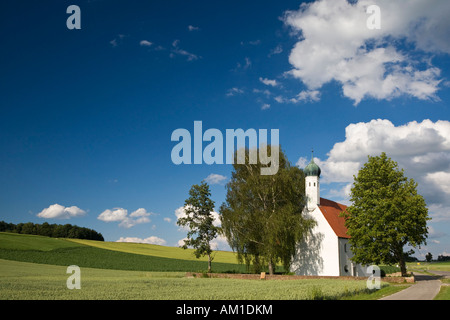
(52, 230)
(65, 252)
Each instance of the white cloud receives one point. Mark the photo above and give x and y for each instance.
(192, 28)
(180, 213)
(180, 242)
(306, 95)
(121, 215)
(335, 44)
(56, 211)
(422, 149)
(149, 240)
(220, 243)
(178, 51)
(265, 106)
(303, 96)
(167, 219)
(145, 43)
(117, 214)
(215, 178)
(440, 179)
(269, 82)
(234, 91)
(248, 64)
(277, 50)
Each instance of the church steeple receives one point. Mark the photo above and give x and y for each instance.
(312, 169)
(312, 190)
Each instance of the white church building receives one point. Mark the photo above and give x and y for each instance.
(325, 251)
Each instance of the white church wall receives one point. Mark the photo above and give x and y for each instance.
(319, 253)
(348, 267)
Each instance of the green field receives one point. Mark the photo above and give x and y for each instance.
(34, 267)
(426, 266)
(158, 251)
(65, 252)
(23, 280)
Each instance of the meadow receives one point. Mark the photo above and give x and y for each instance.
(34, 267)
(65, 252)
(32, 281)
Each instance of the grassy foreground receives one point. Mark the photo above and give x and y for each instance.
(34, 267)
(23, 280)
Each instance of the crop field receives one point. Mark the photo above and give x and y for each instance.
(158, 251)
(23, 280)
(34, 267)
(64, 252)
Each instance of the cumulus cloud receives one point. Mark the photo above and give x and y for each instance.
(57, 211)
(335, 44)
(180, 213)
(219, 243)
(121, 215)
(145, 43)
(269, 82)
(422, 149)
(149, 240)
(215, 178)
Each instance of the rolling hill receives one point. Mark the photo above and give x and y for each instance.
(108, 255)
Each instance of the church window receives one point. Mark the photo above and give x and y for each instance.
(314, 184)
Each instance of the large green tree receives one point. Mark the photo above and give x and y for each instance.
(386, 214)
(262, 217)
(198, 218)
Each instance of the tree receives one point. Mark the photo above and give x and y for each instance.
(386, 214)
(262, 217)
(198, 218)
(429, 257)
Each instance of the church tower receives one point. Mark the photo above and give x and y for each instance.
(312, 190)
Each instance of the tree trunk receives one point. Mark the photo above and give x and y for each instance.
(270, 267)
(402, 264)
(209, 262)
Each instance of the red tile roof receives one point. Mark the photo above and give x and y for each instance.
(331, 211)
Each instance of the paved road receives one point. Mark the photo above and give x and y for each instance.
(425, 288)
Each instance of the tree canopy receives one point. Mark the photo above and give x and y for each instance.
(198, 218)
(52, 230)
(262, 217)
(386, 214)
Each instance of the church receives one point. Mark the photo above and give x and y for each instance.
(325, 250)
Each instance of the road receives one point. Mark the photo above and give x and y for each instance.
(425, 288)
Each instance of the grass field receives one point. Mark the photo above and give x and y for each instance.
(158, 251)
(23, 280)
(34, 267)
(425, 266)
(64, 252)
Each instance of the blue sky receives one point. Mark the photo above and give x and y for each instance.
(86, 115)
